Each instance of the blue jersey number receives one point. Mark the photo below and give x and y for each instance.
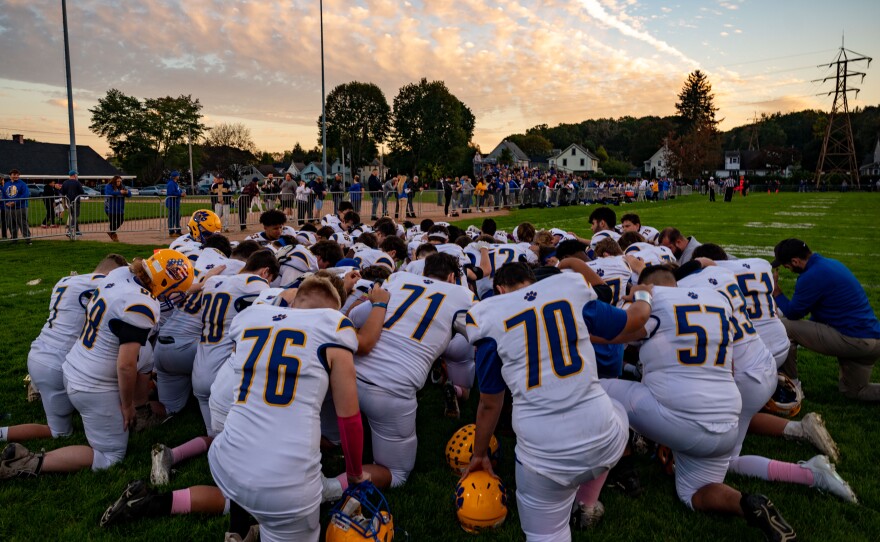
(282, 371)
(54, 309)
(699, 353)
(740, 329)
(93, 320)
(427, 318)
(562, 338)
(761, 298)
(214, 307)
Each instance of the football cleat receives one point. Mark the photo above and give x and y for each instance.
(460, 448)
(134, 503)
(480, 502)
(666, 458)
(786, 400)
(331, 489)
(161, 459)
(145, 418)
(816, 434)
(253, 535)
(450, 401)
(33, 394)
(825, 478)
(585, 517)
(760, 512)
(16, 461)
(361, 514)
(203, 224)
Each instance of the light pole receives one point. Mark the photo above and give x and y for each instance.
(72, 158)
(323, 95)
(192, 181)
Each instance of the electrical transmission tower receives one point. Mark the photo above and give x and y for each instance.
(754, 144)
(838, 149)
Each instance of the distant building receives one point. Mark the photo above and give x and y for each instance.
(520, 159)
(311, 171)
(336, 167)
(36, 160)
(658, 164)
(575, 159)
(751, 163)
(368, 169)
(871, 165)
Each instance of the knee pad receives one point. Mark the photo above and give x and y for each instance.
(103, 460)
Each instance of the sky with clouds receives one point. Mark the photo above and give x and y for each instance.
(516, 63)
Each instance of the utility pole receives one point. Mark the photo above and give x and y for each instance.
(192, 182)
(72, 158)
(838, 148)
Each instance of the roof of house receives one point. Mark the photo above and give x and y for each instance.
(36, 158)
(518, 154)
(580, 148)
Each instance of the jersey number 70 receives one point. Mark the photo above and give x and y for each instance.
(557, 319)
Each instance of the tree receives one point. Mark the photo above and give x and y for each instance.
(602, 154)
(357, 119)
(432, 125)
(147, 136)
(696, 107)
(506, 158)
(234, 134)
(232, 161)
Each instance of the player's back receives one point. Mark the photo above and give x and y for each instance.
(91, 363)
(755, 279)
(418, 326)
(687, 357)
(650, 254)
(604, 234)
(499, 255)
(548, 363)
(221, 300)
(187, 245)
(281, 379)
(67, 313)
(616, 273)
(368, 257)
(294, 262)
(650, 234)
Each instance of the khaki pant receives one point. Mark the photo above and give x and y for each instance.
(856, 356)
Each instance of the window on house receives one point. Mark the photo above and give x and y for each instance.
(572, 152)
(565, 161)
(734, 159)
(582, 161)
(660, 163)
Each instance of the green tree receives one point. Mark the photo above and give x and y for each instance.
(696, 103)
(431, 125)
(357, 119)
(602, 154)
(506, 157)
(235, 135)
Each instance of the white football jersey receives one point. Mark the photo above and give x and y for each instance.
(561, 415)
(531, 257)
(187, 245)
(260, 236)
(294, 263)
(616, 273)
(604, 234)
(749, 353)
(91, 363)
(650, 254)
(367, 257)
(221, 300)
(454, 250)
(755, 279)
(332, 221)
(281, 380)
(650, 234)
(499, 254)
(359, 293)
(687, 356)
(418, 326)
(67, 312)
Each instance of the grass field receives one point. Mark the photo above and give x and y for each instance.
(842, 226)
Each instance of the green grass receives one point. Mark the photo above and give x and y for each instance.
(67, 507)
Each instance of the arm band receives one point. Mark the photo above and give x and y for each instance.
(351, 432)
(642, 295)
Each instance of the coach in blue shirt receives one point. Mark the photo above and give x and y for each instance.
(15, 194)
(172, 202)
(842, 322)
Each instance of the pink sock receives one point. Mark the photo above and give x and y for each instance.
(588, 492)
(789, 472)
(458, 391)
(343, 480)
(192, 448)
(181, 502)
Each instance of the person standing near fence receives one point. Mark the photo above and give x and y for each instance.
(173, 195)
(336, 189)
(15, 200)
(374, 185)
(221, 199)
(71, 190)
(114, 205)
(711, 186)
(303, 194)
(356, 193)
(249, 191)
(319, 191)
(288, 189)
(50, 193)
(446, 189)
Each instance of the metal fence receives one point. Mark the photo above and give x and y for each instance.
(55, 217)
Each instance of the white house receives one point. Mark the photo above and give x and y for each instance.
(368, 169)
(658, 164)
(311, 171)
(871, 167)
(336, 167)
(574, 159)
(292, 169)
(520, 159)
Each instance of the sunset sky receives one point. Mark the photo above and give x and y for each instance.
(514, 63)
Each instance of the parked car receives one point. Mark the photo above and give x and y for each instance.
(155, 190)
(36, 190)
(90, 192)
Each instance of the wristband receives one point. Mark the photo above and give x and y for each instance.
(642, 295)
(381, 305)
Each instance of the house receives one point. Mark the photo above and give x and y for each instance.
(657, 166)
(871, 165)
(575, 159)
(520, 159)
(755, 163)
(311, 171)
(336, 167)
(368, 169)
(293, 169)
(37, 160)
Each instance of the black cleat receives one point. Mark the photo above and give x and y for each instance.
(760, 512)
(450, 401)
(132, 504)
